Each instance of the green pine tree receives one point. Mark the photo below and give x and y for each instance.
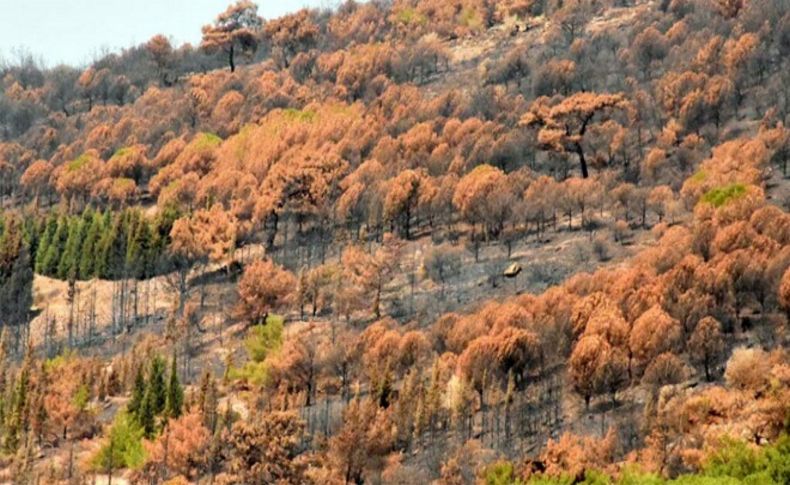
(16, 294)
(207, 401)
(33, 230)
(69, 261)
(17, 421)
(146, 417)
(56, 247)
(156, 384)
(137, 247)
(112, 250)
(49, 230)
(175, 393)
(138, 393)
(16, 275)
(87, 264)
(10, 245)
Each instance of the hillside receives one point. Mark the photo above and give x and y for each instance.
(406, 242)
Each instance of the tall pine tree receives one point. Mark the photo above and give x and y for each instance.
(146, 416)
(55, 248)
(156, 384)
(69, 260)
(88, 257)
(138, 393)
(50, 229)
(16, 275)
(175, 393)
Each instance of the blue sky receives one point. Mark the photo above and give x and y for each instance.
(75, 31)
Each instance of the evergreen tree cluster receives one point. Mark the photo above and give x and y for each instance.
(15, 408)
(156, 399)
(16, 272)
(108, 245)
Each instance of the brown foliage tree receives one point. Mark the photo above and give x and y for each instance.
(263, 288)
(784, 291)
(264, 449)
(484, 196)
(730, 8)
(361, 444)
(478, 364)
(706, 344)
(571, 455)
(562, 126)
(748, 369)
(612, 373)
(181, 447)
(296, 365)
(519, 351)
(585, 361)
(370, 272)
(36, 178)
(75, 180)
(291, 34)
(161, 51)
(235, 28)
(402, 198)
(666, 369)
(653, 333)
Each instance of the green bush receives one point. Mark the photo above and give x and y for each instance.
(300, 115)
(721, 195)
(734, 458)
(733, 463)
(264, 339)
(206, 141)
(502, 473)
(78, 162)
(261, 341)
(123, 448)
(410, 16)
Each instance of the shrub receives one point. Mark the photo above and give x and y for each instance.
(748, 369)
(501, 473)
(264, 339)
(123, 447)
(733, 458)
(261, 341)
(721, 195)
(621, 231)
(601, 248)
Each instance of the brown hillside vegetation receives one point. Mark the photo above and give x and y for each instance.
(412, 241)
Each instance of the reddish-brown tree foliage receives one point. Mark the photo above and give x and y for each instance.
(706, 344)
(563, 125)
(181, 448)
(264, 288)
(235, 29)
(264, 450)
(653, 333)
